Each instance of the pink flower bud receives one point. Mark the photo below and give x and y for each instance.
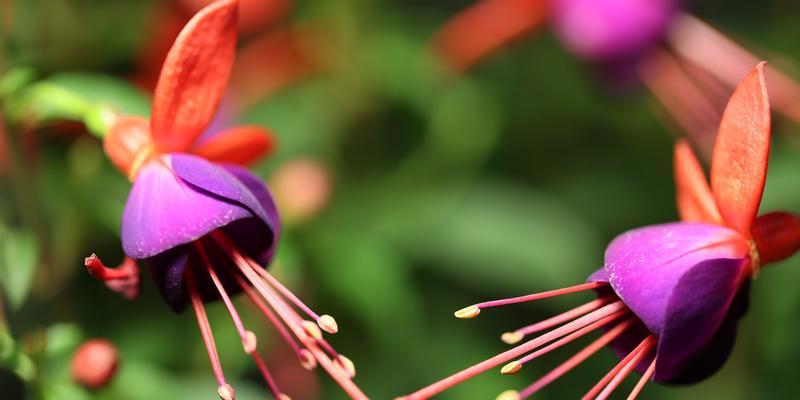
(94, 363)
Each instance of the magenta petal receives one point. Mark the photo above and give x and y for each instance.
(164, 211)
(680, 280)
(644, 265)
(609, 30)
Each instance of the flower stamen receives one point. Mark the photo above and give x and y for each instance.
(473, 310)
(326, 322)
(643, 381)
(524, 348)
(292, 320)
(224, 390)
(306, 359)
(613, 378)
(248, 338)
(577, 359)
(572, 336)
(519, 334)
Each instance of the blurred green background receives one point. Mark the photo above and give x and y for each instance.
(446, 191)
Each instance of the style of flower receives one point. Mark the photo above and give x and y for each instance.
(205, 226)
(670, 295)
(687, 65)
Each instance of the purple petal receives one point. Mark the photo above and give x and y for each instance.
(680, 280)
(711, 358)
(167, 270)
(216, 180)
(608, 30)
(164, 211)
(265, 198)
(644, 265)
(697, 306)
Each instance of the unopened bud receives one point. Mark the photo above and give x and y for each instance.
(94, 363)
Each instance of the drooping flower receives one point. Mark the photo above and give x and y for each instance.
(682, 60)
(669, 295)
(205, 226)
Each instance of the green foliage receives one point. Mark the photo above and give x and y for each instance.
(19, 255)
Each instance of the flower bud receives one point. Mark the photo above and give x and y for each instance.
(94, 363)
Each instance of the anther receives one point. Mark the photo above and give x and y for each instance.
(508, 395)
(468, 312)
(328, 324)
(512, 337)
(511, 368)
(249, 342)
(226, 392)
(346, 365)
(307, 359)
(311, 329)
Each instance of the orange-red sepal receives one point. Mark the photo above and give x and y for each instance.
(485, 27)
(694, 198)
(194, 77)
(127, 142)
(739, 161)
(777, 236)
(240, 145)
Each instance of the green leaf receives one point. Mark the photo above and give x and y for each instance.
(106, 90)
(19, 255)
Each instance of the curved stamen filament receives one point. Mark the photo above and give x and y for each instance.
(248, 339)
(558, 319)
(224, 390)
(577, 359)
(289, 316)
(511, 354)
(326, 322)
(643, 381)
(306, 359)
(474, 310)
(643, 347)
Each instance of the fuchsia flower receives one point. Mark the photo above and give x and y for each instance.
(688, 65)
(204, 226)
(670, 295)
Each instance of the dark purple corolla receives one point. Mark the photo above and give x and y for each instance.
(669, 296)
(205, 226)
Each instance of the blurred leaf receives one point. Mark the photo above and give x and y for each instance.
(62, 339)
(64, 391)
(497, 235)
(104, 89)
(18, 260)
(15, 80)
